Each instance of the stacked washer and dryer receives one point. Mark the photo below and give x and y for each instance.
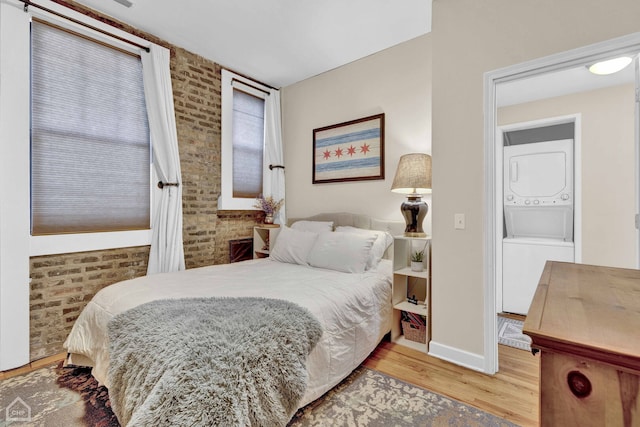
(538, 212)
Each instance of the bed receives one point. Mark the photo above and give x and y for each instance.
(350, 302)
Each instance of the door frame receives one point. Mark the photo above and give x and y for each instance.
(636, 136)
(568, 59)
(576, 120)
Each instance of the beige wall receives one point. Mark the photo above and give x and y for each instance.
(608, 167)
(469, 38)
(396, 82)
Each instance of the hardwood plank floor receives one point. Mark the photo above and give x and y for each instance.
(511, 394)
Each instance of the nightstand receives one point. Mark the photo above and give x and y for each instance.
(264, 236)
(408, 283)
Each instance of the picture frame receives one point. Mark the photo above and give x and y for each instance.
(349, 151)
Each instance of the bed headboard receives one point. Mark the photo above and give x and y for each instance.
(360, 221)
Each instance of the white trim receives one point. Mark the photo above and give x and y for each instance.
(490, 323)
(226, 201)
(14, 187)
(457, 356)
(577, 188)
(563, 60)
(84, 242)
(636, 139)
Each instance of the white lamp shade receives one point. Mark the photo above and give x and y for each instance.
(413, 175)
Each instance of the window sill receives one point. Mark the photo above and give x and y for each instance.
(85, 242)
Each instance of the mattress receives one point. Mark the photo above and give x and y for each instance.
(354, 310)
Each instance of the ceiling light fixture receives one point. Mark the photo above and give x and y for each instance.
(125, 3)
(610, 66)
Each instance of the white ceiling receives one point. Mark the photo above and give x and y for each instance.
(277, 42)
(558, 83)
(283, 42)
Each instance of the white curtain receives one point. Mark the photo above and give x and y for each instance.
(274, 176)
(167, 252)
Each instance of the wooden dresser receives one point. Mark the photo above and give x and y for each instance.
(585, 320)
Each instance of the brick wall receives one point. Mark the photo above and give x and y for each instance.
(196, 92)
(63, 284)
(233, 225)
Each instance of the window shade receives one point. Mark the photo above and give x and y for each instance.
(248, 144)
(90, 147)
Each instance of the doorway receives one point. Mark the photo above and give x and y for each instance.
(525, 75)
(543, 225)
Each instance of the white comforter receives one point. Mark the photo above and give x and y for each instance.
(354, 309)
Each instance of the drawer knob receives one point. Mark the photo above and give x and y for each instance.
(579, 384)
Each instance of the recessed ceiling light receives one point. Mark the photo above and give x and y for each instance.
(610, 66)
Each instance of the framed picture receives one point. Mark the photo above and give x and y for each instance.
(349, 151)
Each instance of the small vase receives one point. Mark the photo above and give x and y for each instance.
(417, 266)
(268, 218)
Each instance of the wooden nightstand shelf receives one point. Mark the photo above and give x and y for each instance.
(407, 283)
(263, 239)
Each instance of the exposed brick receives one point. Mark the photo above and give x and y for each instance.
(98, 267)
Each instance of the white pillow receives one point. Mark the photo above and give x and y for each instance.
(347, 252)
(314, 226)
(382, 242)
(293, 246)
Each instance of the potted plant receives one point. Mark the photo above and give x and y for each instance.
(417, 259)
(269, 206)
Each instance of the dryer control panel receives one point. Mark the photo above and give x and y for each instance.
(562, 200)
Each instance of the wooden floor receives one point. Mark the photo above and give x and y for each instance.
(512, 393)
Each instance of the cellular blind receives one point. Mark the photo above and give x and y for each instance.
(90, 146)
(248, 144)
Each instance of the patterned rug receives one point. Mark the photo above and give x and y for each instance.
(70, 397)
(510, 333)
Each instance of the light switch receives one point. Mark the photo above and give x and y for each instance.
(459, 223)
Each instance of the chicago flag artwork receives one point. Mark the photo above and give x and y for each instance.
(348, 152)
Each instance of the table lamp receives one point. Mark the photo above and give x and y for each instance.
(413, 178)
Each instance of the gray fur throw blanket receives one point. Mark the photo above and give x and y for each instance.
(210, 362)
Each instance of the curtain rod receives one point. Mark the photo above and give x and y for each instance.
(249, 78)
(28, 3)
(250, 85)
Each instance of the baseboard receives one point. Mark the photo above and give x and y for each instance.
(32, 366)
(457, 356)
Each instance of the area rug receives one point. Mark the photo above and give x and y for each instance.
(55, 396)
(71, 397)
(370, 398)
(510, 333)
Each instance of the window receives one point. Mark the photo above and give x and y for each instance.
(243, 135)
(248, 144)
(90, 144)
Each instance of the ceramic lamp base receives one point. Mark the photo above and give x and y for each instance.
(414, 210)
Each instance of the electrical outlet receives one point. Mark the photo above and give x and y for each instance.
(459, 222)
